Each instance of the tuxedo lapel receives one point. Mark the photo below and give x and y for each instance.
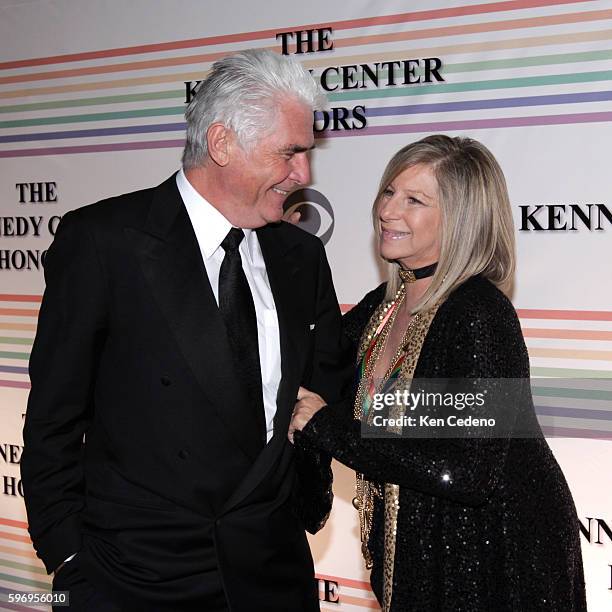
(172, 264)
(283, 265)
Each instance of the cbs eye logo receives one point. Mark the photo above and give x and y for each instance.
(317, 213)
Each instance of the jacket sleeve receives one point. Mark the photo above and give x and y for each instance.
(70, 336)
(486, 344)
(331, 374)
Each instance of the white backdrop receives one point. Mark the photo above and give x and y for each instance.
(530, 79)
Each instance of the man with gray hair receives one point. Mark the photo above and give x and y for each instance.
(177, 325)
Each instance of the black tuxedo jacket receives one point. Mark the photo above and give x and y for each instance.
(137, 447)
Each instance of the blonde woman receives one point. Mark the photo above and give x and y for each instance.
(449, 523)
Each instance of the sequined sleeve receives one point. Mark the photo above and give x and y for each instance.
(475, 334)
(312, 495)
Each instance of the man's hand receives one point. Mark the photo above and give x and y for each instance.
(306, 407)
(293, 218)
(61, 565)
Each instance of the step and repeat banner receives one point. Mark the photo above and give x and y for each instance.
(92, 97)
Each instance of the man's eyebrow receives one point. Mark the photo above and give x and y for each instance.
(294, 148)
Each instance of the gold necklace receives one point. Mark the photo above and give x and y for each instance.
(366, 491)
(401, 348)
(375, 333)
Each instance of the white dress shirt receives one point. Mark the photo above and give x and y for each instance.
(211, 227)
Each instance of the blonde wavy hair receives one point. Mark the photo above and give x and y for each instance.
(477, 231)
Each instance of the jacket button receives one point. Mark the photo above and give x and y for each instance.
(183, 454)
(165, 381)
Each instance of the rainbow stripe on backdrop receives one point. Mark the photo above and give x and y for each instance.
(573, 345)
(20, 569)
(562, 49)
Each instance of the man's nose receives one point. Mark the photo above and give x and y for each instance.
(300, 172)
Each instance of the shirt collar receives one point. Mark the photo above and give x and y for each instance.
(210, 226)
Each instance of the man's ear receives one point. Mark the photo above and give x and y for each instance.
(218, 139)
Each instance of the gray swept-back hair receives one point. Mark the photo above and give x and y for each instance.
(477, 230)
(243, 91)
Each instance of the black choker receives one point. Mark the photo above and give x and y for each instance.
(410, 276)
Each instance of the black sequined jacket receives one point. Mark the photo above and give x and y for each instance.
(502, 534)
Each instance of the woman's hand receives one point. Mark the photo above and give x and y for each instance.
(306, 407)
